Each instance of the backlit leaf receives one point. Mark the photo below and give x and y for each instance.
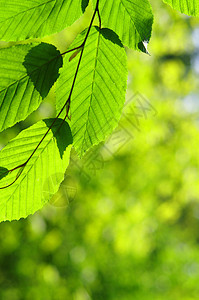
(99, 92)
(41, 177)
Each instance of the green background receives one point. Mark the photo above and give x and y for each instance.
(125, 224)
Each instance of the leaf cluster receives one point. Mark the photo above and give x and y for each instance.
(91, 81)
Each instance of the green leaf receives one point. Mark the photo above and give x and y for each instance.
(42, 175)
(99, 92)
(24, 19)
(27, 73)
(190, 7)
(131, 19)
(42, 64)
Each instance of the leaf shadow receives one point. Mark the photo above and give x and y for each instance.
(84, 5)
(42, 63)
(3, 172)
(61, 132)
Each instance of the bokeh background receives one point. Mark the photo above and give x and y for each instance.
(125, 223)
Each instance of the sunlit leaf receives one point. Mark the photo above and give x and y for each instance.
(100, 88)
(27, 73)
(188, 7)
(34, 186)
(23, 19)
(131, 19)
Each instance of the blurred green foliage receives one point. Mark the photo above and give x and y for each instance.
(130, 231)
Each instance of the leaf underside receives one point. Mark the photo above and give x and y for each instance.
(25, 19)
(190, 7)
(99, 92)
(131, 19)
(42, 175)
